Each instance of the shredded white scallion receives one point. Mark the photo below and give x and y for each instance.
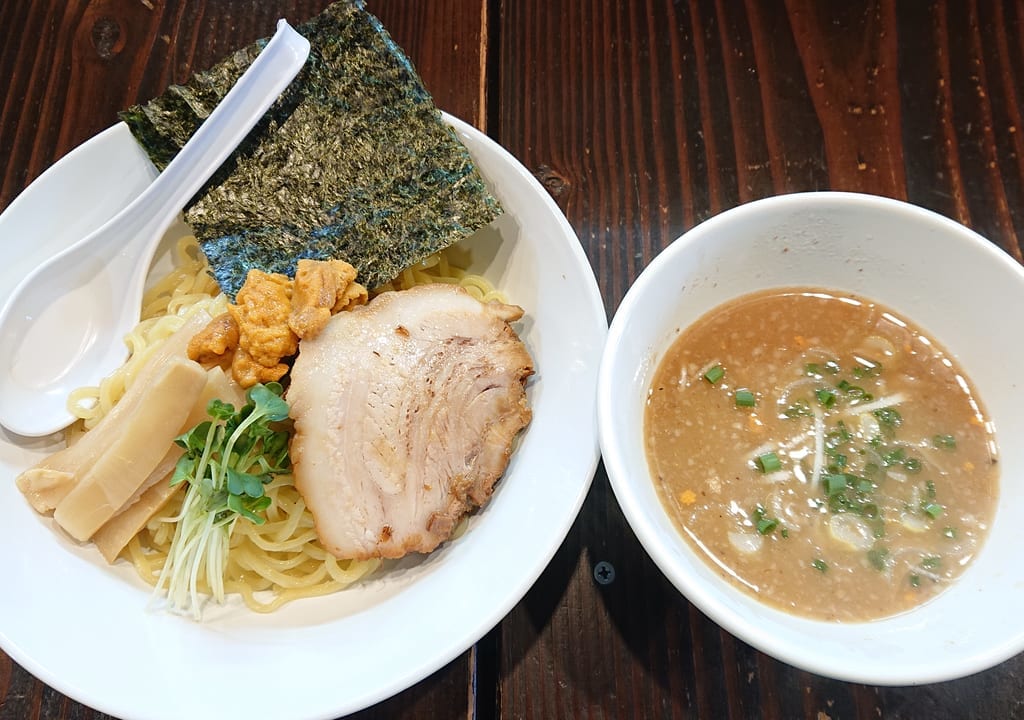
(200, 547)
(880, 403)
(819, 445)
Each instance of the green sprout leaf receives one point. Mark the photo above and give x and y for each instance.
(227, 462)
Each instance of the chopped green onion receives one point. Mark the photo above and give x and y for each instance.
(797, 409)
(839, 436)
(839, 503)
(929, 487)
(830, 367)
(826, 397)
(949, 532)
(745, 398)
(819, 565)
(946, 442)
(889, 417)
(878, 557)
(865, 486)
(766, 525)
(714, 374)
(932, 509)
(912, 465)
(784, 532)
(844, 385)
(868, 371)
(895, 457)
(769, 462)
(834, 483)
(931, 562)
(915, 580)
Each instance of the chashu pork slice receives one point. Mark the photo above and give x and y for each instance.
(405, 413)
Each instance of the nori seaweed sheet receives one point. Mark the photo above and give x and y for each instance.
(353, 161)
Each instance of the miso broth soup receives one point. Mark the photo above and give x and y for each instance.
(822, 453)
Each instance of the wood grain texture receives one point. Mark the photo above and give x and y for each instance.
(68, 66)
(645, 118)
(641, 119)
(71, 66)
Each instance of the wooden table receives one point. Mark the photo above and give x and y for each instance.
(641, 118)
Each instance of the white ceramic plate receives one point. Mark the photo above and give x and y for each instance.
(83, 627)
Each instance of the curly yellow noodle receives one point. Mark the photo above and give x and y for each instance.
(440, 268)
(187, 283)
(147, 564)
(288, 545)
(277, 571)
(282, 560)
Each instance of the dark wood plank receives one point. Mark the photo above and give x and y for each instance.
(70, 65)
(952, 144)
(645, 118)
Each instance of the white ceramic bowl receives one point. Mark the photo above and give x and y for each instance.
(959, 288)
(84, 627)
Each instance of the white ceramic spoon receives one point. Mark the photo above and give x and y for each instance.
(63, 326)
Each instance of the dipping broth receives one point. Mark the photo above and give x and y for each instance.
(822, 453)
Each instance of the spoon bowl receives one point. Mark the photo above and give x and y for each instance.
(62, 326)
